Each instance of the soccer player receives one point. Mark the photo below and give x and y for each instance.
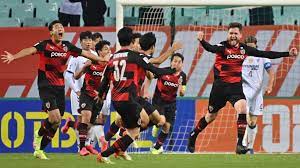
(147, 45)
(252, 74)
(135, 44)
(123, 70)
(75, 64)
(94, 129)
(96, 37)
(53, 54)
(227, 86)
(164, 98)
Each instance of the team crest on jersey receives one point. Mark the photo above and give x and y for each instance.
(47, 104)
(83, 105)
(242, 50)
(65, 48)
(210, 108)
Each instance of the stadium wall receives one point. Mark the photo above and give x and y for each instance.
(278, 127)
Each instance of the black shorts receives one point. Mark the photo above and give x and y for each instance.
(166, 109)
(222, 92)
(53, 97)
(129, 112)
(87, 102)
(149, 108)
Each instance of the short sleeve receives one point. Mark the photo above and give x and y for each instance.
(40, 46)
(267, 63)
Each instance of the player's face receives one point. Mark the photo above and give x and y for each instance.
(57, 32)
(105, 51)
(86, 44)
(234, 36)
(177, 63)
(96, 41)
(135, 46)
(251, 45)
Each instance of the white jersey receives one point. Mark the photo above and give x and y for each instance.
(253, 72)
(75, 64)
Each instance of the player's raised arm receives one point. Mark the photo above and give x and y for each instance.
(93, 57)
(82, 71)
(144, 62)
(162, 58)
(269, 54)
(207, 46)
(8, 57)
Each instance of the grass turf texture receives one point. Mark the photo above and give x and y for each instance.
(152, 161)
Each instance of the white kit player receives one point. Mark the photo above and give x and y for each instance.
(253, 74)
(75, 64)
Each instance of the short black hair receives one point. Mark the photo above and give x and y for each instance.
(147, 41)
(235, 25)
(251, 39)
(177, 55)
(50, 27)
(135, 36)
(96, 35)
(85, 35)
(125, 36)
(101, 44)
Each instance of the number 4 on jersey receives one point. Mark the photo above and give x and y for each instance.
(119, 75)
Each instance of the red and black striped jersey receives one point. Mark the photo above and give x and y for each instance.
(53, 59)
(229, 60)
(92, 78)
(167, 86)
(142, 75)
(123, 70)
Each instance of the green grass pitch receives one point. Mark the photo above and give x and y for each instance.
(155, 161)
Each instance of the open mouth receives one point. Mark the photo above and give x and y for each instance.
(60, 34)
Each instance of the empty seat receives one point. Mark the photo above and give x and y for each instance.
(22, 11)
(48, 12)
(34, 22)
(9, 22)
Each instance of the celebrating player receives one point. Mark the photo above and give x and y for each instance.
(164, 98)
(227, 86)
(53, 54)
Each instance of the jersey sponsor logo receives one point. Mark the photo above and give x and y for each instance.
(96, 73)
(167, 83)
(235, 56)
(242, 50)
(58, 54)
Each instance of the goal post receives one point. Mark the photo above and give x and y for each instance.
(277, 126)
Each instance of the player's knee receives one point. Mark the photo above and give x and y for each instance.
(166, 127)
(118, 121)
(144, 119)
(133, 132)
(240, 106)
(252, 120)
(86, 116)
(162, 120)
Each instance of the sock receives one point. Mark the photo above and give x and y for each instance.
(160, 139)
(90, 137)
(77, 139)
(241, 127)
(83, 130)
(120, 145)
(49, 134)
(46, 125)
(121, 131)
(98, 131)
(113, 129)
(252, 131)
(201, 125)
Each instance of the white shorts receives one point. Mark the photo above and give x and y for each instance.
(254, 101)
(106, 104)
(74, 103)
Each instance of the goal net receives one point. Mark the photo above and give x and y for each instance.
(275, 27)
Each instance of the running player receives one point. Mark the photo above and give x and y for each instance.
(227, 86)
(53, 54)
(123, 70)
(253, 73)
(75, 64)
(164, 98)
